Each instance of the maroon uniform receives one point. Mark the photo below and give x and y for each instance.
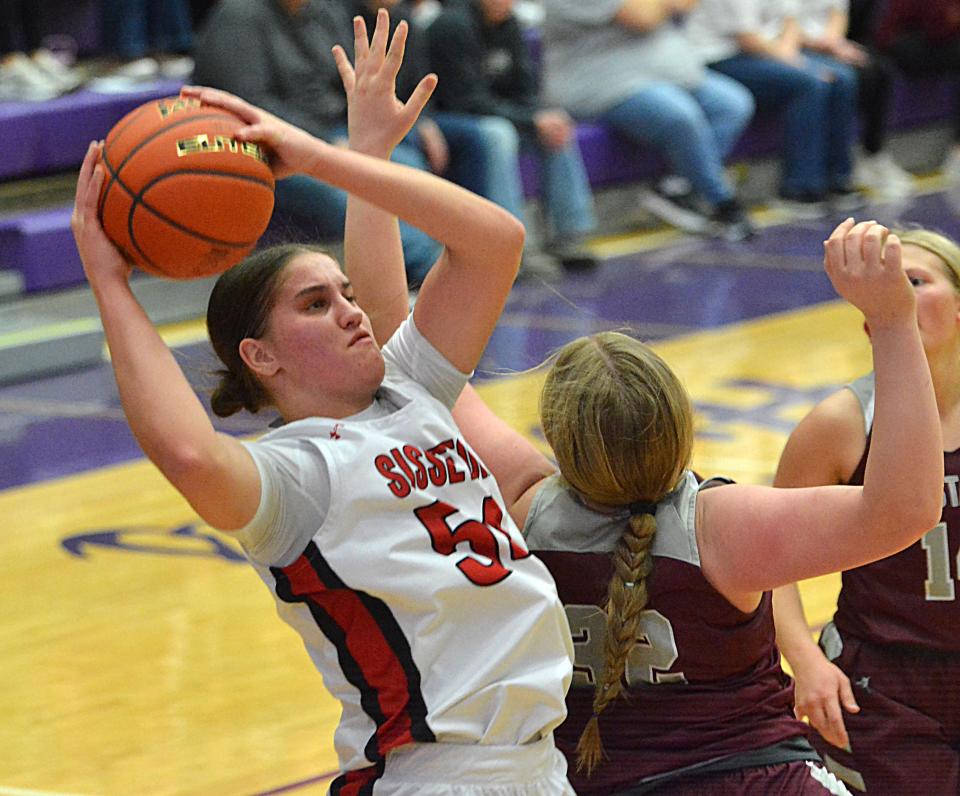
(706, 694)
(896, 634)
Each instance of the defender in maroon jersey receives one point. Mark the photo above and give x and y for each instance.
(891, 657)
(666, 582)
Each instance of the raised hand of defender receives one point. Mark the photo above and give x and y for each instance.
(99, 256)
(864, 264)
(290, 147)
(376, 119)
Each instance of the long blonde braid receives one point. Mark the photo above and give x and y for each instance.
(621, 427)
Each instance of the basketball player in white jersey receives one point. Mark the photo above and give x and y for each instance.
(382, 536)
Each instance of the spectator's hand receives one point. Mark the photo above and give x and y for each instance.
(434, 145)
(849, 52)
(554, 128)
(822, 689)
(290, 147)
(101, 259)
(376, 120)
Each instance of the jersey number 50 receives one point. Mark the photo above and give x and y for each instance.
(485, 567)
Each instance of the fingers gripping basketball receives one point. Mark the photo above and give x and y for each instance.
(182, 197)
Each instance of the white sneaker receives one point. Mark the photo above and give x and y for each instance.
(23, 81)
(883, 177)
(62, 75)
(950, 168)
(177, 67)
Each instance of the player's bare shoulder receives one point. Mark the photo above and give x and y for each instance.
(826, 445)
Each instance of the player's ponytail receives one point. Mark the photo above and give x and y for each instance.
(621, 428)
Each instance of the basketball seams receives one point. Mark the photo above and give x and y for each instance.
(139, 201)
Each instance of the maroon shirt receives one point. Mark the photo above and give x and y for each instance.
(704, 678)
(910, 598)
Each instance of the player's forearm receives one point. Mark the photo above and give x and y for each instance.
(465, 223)
(163, 411)
(903, 482)
(793, 632)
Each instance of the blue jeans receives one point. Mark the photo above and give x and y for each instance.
(319, 211)
(819, 103)
(694, 128)
(468, 150)
(134, 27)
(567, 198)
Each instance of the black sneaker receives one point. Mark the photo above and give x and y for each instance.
(680, 209)
(572, 255)
(806, 204)
(731, 221)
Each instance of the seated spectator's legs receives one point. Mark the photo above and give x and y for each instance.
(567, 197)
(874, 89)
(728, 106)
(840, 119)
(503, 185)
(918, 57)
(804, 98)
(319, 212)
(467, 146)
(171, 28)
(134, 27)
(125, 27)
(669, 118)
(420, 251)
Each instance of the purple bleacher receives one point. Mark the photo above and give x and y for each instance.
(44, 137)
(40, 246)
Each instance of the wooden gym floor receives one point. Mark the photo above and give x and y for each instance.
(141, 656)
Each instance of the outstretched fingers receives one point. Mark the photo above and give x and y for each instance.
(420, 96)
(398, 46)
(361, 45)
(378, 42)
(347, 76)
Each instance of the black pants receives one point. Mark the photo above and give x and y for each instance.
(917, 57)
(19, 26)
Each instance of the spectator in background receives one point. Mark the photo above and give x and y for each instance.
(824, 27)
(922, 37)
(453, 146)
(628, 64)
(276, 54)
(759, 44)
(150, 38)
(29, 72)
(485, 73)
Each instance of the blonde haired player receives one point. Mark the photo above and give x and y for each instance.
(890, 659)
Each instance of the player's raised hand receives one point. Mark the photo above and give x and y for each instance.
(291, 148)
(864, 264)
(99, 256)
(376, 119)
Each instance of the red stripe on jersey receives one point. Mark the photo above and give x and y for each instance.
(372, 651)
(358, 782)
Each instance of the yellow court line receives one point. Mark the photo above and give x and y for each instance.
(49, 331)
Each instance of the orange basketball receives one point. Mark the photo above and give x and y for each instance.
(181, 197)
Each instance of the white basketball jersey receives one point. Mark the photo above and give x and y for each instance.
(417, 598)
